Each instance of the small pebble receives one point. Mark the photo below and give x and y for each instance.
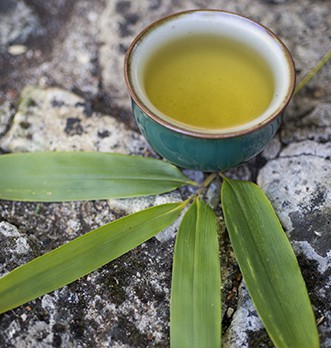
(230, 312)
(16, 50)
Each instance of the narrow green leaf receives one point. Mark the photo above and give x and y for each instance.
(195, 311)
(83, 255)
(68, 176)
(268, 265)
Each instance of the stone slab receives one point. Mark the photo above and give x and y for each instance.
(79, 102)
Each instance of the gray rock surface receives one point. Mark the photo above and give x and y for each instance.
(62, 88)
(18, 22)
(53, 119)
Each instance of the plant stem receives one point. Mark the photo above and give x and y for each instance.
(207, 182)
(309, 76)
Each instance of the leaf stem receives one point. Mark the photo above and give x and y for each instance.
(310, 75)
(210, 178)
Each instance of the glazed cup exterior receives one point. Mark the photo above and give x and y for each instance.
(204, 154)
(198, 150)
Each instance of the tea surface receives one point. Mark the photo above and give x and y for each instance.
(208, 82)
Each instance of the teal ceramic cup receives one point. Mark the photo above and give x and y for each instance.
(205, 149)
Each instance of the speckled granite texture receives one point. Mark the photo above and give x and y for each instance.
(62, 88)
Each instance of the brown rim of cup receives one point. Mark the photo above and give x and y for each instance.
(193, 133)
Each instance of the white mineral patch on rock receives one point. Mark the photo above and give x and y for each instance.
(8, 230)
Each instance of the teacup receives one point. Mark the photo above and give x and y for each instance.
(195, 145)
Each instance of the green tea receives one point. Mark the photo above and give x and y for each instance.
(208, 82)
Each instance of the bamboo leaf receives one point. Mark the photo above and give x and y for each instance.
(195, 311)
(268, 265)
(83, 255)
(68, 176)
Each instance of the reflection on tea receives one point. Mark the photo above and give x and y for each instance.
(208, 82)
